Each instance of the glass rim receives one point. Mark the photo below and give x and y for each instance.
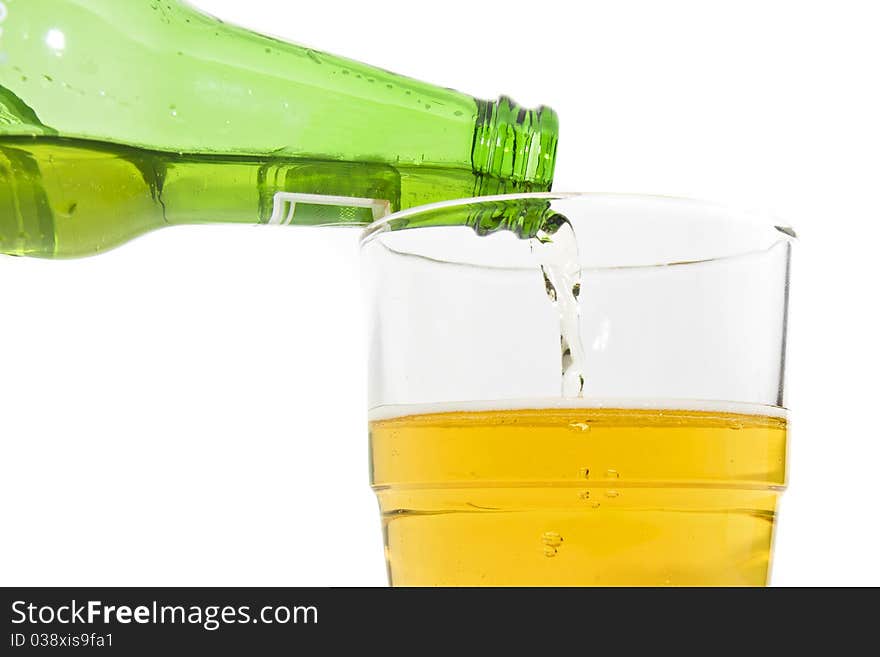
(383, 225)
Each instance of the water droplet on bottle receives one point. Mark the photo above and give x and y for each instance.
(595, 505)
(611, 473)
(611, 493)
(458, 113)
(584, 473)
(173, 110)
(427, 106)
(585, 495)
(580, 426)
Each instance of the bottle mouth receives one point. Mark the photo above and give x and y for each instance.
(515, 143)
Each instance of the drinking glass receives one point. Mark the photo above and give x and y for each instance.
(577, 389)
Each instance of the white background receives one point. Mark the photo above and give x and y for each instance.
(190, 408)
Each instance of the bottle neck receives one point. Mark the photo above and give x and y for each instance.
(516, 144)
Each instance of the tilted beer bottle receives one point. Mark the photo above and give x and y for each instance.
(117, 118)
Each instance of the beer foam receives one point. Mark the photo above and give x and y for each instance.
(390, 411)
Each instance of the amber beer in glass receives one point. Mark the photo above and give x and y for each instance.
(665, 469)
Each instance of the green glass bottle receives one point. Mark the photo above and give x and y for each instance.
(119, 117)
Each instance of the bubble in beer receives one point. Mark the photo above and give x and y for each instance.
(612, 493)
(551, 541)
(611, 473)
